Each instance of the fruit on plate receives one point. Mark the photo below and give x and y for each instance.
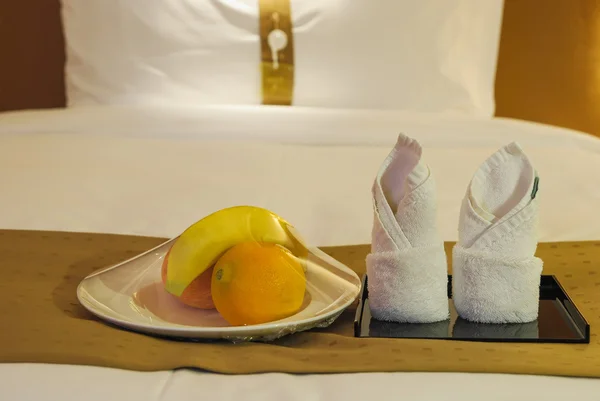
(198, 247)
(197, 294)
(254, 283)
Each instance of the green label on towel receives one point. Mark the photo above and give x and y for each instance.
(536, 184)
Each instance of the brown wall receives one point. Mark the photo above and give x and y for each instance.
(31, 54)
(549, 63)
(548, 67)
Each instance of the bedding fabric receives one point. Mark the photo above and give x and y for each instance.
(430, 55)
(153, 171)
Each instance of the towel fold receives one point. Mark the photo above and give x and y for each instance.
(496, 276)
(407, 266)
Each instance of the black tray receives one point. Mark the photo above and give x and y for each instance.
(559, 322)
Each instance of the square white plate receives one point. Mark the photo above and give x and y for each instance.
(131, 294)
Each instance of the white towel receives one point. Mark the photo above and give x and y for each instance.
(496, 276)
(407, 268)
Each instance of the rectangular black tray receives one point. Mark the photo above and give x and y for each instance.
(559, 321)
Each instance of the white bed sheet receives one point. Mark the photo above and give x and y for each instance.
(154, 171)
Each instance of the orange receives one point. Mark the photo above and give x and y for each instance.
(197, 294)
(255, 283)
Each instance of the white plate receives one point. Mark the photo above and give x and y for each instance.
(130, 294)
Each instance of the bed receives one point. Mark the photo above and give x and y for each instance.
(152, 169)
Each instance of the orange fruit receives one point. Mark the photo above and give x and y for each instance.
(197, 294)
(255, 283)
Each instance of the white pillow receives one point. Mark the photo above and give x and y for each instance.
(425, 55)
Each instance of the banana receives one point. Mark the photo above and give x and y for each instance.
(200, 245)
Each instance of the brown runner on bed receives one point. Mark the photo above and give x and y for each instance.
(42, 321)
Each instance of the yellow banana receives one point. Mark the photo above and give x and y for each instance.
(199, 246)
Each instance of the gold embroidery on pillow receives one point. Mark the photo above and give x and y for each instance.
(277, 52)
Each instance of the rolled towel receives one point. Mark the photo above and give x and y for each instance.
(407, 268)
(496, 276)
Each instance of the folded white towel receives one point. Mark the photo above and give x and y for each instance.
(496, 276)
(407, 269)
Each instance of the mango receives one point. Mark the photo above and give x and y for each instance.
(198, 293)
